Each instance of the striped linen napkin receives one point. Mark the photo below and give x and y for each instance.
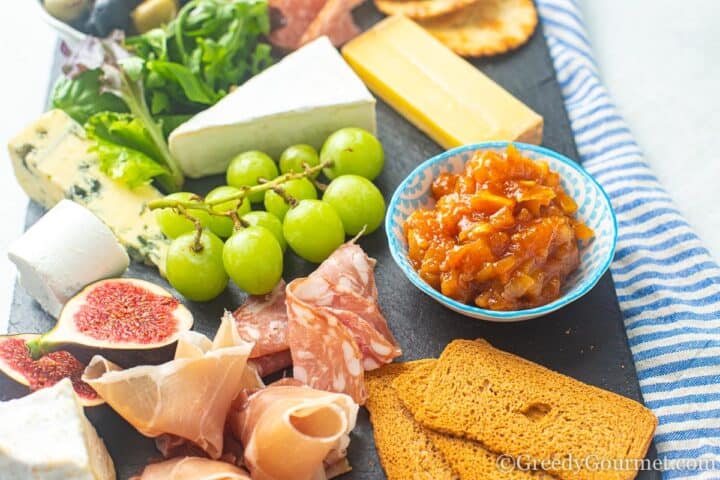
(667, 284)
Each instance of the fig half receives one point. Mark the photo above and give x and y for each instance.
(113, 314)
(120, 314)
(17, 363)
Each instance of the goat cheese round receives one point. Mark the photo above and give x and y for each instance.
(67, 249)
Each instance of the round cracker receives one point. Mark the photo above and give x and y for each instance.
(488, 27)
(419, 9)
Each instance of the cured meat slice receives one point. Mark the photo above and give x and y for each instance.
(335, 21)
(324, 352)
(335, 327)
(190, 396)
(375, 347)
(192, 468)
(350, 271)
(271, 363)
(282, 419)
(263, 319)
(297, 15)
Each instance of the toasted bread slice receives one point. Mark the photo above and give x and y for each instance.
(469, 459)
(516, 407)
(405, 451)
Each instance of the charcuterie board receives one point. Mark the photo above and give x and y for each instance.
(585, 340)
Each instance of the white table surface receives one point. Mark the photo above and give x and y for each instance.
(659, 58)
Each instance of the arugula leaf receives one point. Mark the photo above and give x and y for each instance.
(210, 47)
(125, 149)
(81, 97)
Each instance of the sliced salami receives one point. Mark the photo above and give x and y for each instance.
(350, 273)
(376, 349)
(336, 330)
(324, 353)
(263, 319)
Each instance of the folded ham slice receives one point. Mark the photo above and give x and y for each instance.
(190, 396)
(295, 433)
(192, 468)
(336, 330)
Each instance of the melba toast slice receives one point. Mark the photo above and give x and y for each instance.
(522, 409)
(404, 449)
(469, 459)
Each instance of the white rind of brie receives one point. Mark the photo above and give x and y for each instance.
(46, 436)
(302, 99)
(67, 249)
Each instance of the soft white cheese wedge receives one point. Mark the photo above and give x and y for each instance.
(46, 436)
(302, 99)
(67, 249)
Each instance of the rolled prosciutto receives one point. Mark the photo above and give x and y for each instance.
(190, 396)
(295, 433)
(192, 468)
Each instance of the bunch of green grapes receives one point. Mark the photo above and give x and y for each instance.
(272, 206)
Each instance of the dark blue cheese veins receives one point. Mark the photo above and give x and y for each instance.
(51, 162)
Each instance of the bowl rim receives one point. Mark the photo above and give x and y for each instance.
(482, 312)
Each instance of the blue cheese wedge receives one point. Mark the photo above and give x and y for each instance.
(46, 436)
(83, 250)
(51, 162)
(301, 99)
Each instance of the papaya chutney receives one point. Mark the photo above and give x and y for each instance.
(502, 234)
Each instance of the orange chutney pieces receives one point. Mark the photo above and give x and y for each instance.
(502, 234)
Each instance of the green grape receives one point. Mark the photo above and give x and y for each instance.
(247, 168)
(254, 260)
(299, 189)
(223, 226)
(352, 151)
(357, 201)
(293, 158)
(267, 220)
(313, 230)
(199, 276)
(172, 224)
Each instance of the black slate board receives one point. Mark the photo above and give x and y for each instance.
(586, 340)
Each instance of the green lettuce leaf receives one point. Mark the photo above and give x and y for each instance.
(81, 97)
(124, 147)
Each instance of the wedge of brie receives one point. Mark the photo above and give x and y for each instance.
(46, 436)
(301, 99)
(67, 249)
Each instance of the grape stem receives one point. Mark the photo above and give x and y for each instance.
(197, 245)
(289, 199)
(244, 192)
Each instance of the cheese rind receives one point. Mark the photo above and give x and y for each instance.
(436, 90)
(46, 436)
(82, 250)
(51, 162)
(302, 99)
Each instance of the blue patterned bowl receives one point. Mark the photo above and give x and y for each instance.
(594, 209)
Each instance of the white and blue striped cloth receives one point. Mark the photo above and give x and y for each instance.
(668, 286)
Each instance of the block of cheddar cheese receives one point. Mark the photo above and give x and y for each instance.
(436, 90)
